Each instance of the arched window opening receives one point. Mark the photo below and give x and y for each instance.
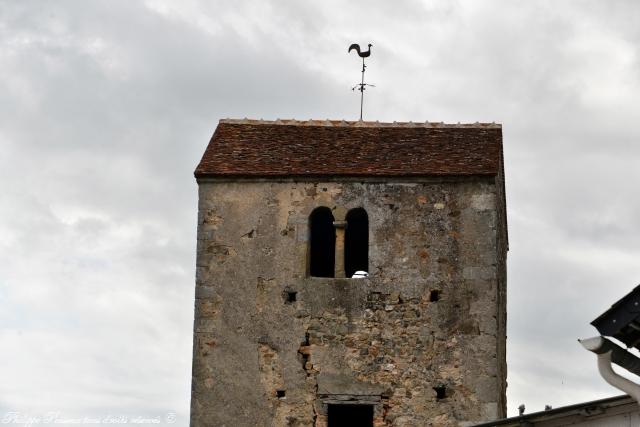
(356, 242)
(322, 242)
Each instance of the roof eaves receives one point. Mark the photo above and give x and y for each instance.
(558, 412)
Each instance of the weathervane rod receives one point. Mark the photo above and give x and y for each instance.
(362, 89)
(361, 86)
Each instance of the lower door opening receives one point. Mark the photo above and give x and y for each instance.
(346, 415)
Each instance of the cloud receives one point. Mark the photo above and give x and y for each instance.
(107, 107)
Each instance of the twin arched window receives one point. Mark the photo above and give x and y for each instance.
(322, 243)
(352, 242)
(356, 242)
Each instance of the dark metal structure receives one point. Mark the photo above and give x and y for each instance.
(622, 320)
(362, 84)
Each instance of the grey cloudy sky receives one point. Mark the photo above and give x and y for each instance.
(106, 107)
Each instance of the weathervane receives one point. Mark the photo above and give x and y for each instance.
(362, 84)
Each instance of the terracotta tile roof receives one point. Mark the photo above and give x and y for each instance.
(256, 148)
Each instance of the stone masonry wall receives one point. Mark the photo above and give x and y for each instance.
(422, 339)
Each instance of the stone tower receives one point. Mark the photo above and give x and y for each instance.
(288, 212)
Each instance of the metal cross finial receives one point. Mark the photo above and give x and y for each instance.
(362, 84)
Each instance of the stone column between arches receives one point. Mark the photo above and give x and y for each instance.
(340, 227)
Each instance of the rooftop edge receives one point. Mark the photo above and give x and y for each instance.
(360, 124)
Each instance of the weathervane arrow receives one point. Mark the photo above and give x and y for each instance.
(362, 84)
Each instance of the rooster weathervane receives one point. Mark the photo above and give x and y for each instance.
(362, 84)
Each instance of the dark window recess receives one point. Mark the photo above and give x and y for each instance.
(441, 392)
(280, 393)
(290, 296)
(356, 242)
(346, 415)
(322, 241)
(434, 295)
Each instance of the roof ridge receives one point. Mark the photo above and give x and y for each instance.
(359, 123)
